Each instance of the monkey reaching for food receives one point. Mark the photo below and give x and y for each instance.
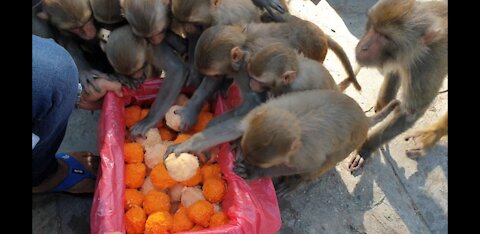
(408, 42)
(222, 50)
(134, 57)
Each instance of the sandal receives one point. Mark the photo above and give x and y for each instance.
(76, 173)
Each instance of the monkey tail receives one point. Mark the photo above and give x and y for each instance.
(352, 78)
(380, 116)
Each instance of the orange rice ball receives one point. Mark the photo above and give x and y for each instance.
(133, 198)
(202, 121)
(200, 212)
(132, 115)
(181, 138)
(181, 222)
(156, 201)
(218, 219)
(205, 107)
(144, 113)
(214, 189)
(159, 222)
(135, 220)
(194, 181)
(167, 134)
(197, 228)
(134, 175)
(210, 170)
(160, 177)
(133, 152)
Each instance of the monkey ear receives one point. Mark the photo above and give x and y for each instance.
(236, 55)
(42, 15)
(215, 3)
(433, 34)
(296, 144)
(289, 76)
(122, 3)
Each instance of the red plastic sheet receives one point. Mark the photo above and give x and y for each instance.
(252, 207)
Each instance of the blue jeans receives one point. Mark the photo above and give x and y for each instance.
(54, 92)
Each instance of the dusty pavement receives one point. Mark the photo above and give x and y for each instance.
(391, 194)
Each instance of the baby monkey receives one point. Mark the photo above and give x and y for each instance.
(279, 69)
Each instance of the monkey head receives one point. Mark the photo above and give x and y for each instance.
(271, 67)
(74, 16)
(128, 54)
(393, 34)
(214, 48)
(106, 11)
(272, 136)
(195, 16)
(148, 18)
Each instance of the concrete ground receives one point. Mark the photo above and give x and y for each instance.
(391, 194)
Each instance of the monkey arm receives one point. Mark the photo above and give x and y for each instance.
(87, 74)
(194, 77)
(189, 113)
(178, 43)
(250, 99)
(394, 126)
(166, 59)
(388, 91)
(204, 140)
(269, 5)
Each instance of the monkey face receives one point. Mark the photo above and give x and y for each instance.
(370, 48)
(87, 31)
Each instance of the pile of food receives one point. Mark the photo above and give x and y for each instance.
(177, 194)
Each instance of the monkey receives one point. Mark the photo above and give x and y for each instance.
(107, 12)
(305, 132)
(135, 57)
(408, 42)
(274, 10)
(428, 137)
(71, 24)
(278, 69)
(218, 43)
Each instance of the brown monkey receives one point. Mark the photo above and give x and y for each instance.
(134, 57)
(408, 42)
(74, 16)
(107, 11)
(148, 18)
(427, 137)
(278, 69)
(305, 132)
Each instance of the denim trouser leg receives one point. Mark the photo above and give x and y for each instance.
(54, 91)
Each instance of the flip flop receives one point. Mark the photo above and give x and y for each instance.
(76, 173)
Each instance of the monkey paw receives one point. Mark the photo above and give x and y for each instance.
(423, 141)
(242, 170)
(356, 163)
(170, 149)
(188, 118)
(142, 127)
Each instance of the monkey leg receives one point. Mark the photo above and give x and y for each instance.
(189, 113)
(388, 91)
(400, 122)
(175, 79)
(427, 138)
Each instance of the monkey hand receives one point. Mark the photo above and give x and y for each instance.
(358, 160)
(188, 118)
(423, 141)
(129, 82)
(141, 128)
(87, 79)
(245, 170)
(380, 105)
(184, 147)
(269, 5)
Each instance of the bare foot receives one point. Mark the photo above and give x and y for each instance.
(89, 162)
